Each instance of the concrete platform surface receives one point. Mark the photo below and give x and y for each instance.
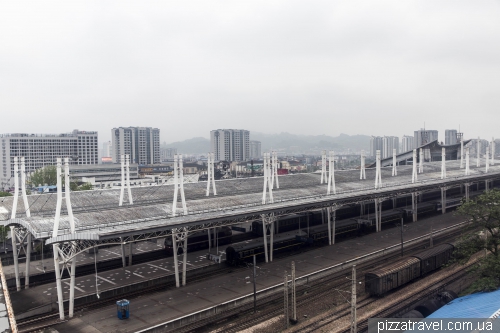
(153, 309)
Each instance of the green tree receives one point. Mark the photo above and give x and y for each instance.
(48, 175)
(5, 194)
(482, 234)
(43, 176)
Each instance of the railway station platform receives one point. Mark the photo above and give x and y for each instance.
(154, 309)
(105, 256)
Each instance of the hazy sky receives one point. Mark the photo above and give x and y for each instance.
(304, 67)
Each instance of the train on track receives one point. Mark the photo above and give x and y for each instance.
(384, 278)
(199, 240)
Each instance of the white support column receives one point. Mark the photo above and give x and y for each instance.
(466, 192)
(267, 179)
(421, 161)
(28, 214)
(184, 259)
(209, 232)
(414, 176)
(122, 187)
(12, 228)
(323, 167)
(462, 153)
(467, 168)
(178, 184)
(376, 216)
(57, 267)
(124, 262)
(493, 151)
(478, 148)
(394, 166)
(176, 260)
(73, 230)
(362, 173)
(378, 176)
(443, 163)
(210, 173)
(127, 169)
(331, 174)
(275, 170)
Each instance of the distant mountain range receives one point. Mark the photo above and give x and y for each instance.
(283, 141)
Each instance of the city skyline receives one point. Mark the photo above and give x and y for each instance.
(305, 68)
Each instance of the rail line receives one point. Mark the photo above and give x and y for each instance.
(272, 306)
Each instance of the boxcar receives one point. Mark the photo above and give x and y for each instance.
(385, 278)
(434, 258)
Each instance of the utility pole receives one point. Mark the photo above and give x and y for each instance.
(294, 296)
(354, 328)
(285, 291)
(254, 288)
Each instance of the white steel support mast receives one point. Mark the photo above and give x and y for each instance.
(28, 234)
(467, 167)
(331, 215)
(323, 167)
(443, 163)
(122, 187)
(421, 161)
(62, 260)
(492, 151)
(394, 166)
(414, 175)
(274, 168)
(178, 185)
(362, 173)
(462, 152)
(127, 169)
(211, 174)
(331, 174)
(478, 148)
(378, 176)
(12, 228)
(267, 180)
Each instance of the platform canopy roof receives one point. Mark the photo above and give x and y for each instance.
(97, 211)
(435, 147)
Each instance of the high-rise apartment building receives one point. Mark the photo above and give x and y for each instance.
(40, 150)
(141, 143)
(406, 143)
(167, 154)
(255, 149)
(230, 144)
(375, 144)
(423, 136)
(388, 144)
(450, 137)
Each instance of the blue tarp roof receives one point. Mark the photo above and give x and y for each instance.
(479, 305)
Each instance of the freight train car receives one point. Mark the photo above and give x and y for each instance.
(199, 240)
(393, 275)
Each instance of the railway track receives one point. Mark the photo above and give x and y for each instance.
(240, 318)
